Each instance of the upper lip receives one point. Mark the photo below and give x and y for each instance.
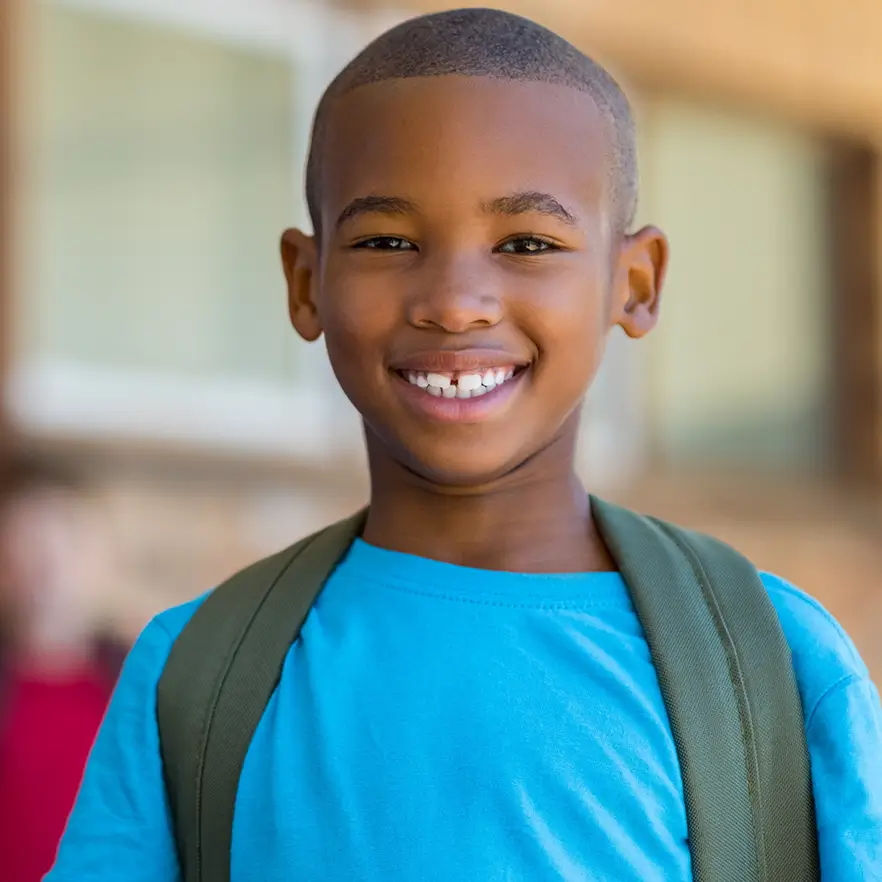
(452, 361)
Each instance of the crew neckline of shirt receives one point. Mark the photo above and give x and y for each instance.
(366, 562)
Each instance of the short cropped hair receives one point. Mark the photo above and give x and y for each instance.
(487, 43)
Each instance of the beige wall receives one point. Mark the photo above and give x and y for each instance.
(812, 60)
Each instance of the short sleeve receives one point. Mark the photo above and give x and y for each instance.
(120, 827)
(845, 744)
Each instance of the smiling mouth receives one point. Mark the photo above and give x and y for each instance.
(461, 384)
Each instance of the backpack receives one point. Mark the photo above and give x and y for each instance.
(722, 661)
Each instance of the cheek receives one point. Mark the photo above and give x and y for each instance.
(352, 337)
(357, 330)
(568, 322)
(356, 307)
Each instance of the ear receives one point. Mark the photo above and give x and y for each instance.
(300, 262)
(638, 279)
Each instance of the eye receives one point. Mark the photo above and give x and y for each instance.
(527, 245)
(385, 243)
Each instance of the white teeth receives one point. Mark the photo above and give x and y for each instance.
(438, 380)
(465, 386)
(469, 381)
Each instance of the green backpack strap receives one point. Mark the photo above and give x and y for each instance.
(723, 664)
(217, 681)
(727, 679)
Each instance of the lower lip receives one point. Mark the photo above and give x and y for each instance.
(459, 410)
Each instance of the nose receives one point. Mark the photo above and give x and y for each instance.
(456, 294)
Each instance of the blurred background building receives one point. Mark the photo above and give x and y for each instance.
(152, 151)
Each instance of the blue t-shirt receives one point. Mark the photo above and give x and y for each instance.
(439, 723)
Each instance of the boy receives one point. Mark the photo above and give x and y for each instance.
(54, 681)
(472, 697)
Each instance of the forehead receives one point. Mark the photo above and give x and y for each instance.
(463, 139)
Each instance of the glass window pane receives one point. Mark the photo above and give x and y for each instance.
(740, 361)
(165, 173)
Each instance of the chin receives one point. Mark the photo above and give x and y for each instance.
(463, 470)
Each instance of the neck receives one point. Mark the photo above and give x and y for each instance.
(536, 519)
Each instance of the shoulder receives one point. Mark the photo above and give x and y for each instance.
(824, 656)
(172, 621)
(843, 731)
(808, 625)
(146, 659)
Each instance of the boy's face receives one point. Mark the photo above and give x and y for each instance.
(466, 241)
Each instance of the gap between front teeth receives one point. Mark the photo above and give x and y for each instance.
(464, 385)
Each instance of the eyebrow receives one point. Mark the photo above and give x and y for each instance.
(526, 202)
(392, 205)
(530, 202)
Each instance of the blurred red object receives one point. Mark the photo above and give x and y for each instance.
(55, 679)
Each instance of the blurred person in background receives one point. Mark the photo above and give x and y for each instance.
(56, 676)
